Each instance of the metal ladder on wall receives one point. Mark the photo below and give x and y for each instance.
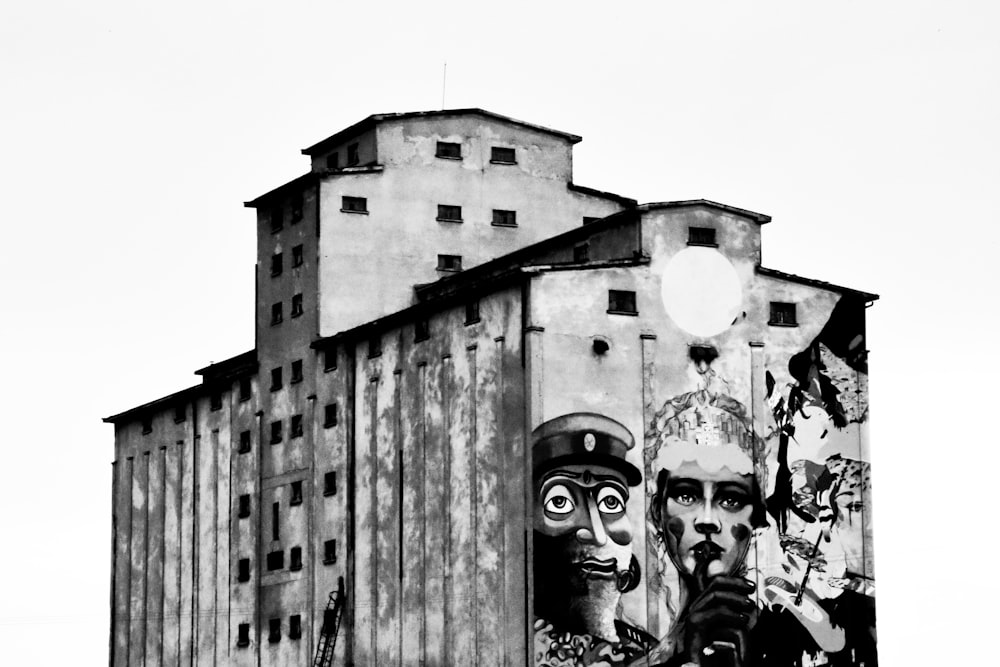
(331, 624)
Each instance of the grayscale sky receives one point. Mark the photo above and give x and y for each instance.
(132, 132)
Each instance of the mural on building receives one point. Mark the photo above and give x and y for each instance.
(583, 559)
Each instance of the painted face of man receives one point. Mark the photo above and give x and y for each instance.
(707, 518)
(585, 504)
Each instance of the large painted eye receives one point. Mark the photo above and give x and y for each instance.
(733, 502)
(684, 498)
(558, 500)
(610, 501)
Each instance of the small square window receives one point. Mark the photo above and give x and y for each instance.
(353, 156)
(296, 305)
(243, 570)
(421, 329)
(276, 382)
(472, 312)
(374, 346)
(276, 264)
(243, 635)
(330, 483)
(449, 263)
(354, 205)
(244, 442)
(296, 427)
(245, 389)
(295, 558)
(622, 302)
(449, 213)
(275, 432)
(333, 160)
(294, 626)
(330, 415)
(274, 630)
(296, 209)
(330, 359)
(504, 218)
(702, 236)
(783, 314)
(276, 316)
(244, 506)
(147, 425)
(215, 400)
(581, 253)
(329, 552)
(297, 255)
(449, 150)
(180, 413)
(277, 218)
(296, 493)
(296, 371)
(501, 155)
(589, 219)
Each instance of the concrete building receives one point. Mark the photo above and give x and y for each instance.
(494, 421)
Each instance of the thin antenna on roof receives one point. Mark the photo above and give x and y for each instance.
(444, 83)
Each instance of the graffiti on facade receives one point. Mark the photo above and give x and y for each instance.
(583, 559)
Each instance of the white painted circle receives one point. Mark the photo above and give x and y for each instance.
(701, 291)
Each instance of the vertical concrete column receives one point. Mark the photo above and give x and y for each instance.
(649, 406)
(123, 561)
(366, 522)
(760, 419)
(207, 549)
(172, 565)
(534, 374)
(140, 489)
(154, 560)
(387, 533)
(435, 508)
(224, 641)
(188, 571)
(414, 503)
(460, 602)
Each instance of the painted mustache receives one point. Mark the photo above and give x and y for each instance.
(596, 568)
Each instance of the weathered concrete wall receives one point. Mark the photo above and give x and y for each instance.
(397, 243)
(438, 566)
(765, 436)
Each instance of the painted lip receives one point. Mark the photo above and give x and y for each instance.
(601, 568)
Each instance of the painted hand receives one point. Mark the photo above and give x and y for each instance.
(718, 622)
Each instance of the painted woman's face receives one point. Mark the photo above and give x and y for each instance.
(585, 505)
(707, 518)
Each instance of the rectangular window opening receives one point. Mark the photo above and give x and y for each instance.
(622, 302)
(333, 160)
(330, 483)
(180, 413)
(245, 389)
(296, 371)
(243, 635)
(276, 316)
(244, 442)
(783, 314)
(472, 312)
(276, 522)
(449, 263)
(451, 151)
(294, 626)
(702, 236)
(276, 382)
(243, 570)
(297, 255)
(215, 401)
(501, 155)
(295, 558)
(581, 253)
(296, 426)
(276, 264)
(354, 204)
(296, 493)
(244, 506)
(449, 213)
(277, 219)
(329, 552)
(353, 155)
(421, 329)
(275, 432)
(330, 359)
(330, 415)
(375, 346)
(503, 218)
(274, 630)
(296, 305)
(147, 425)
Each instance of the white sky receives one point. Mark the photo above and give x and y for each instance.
(133, 131)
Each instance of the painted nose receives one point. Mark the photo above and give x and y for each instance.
(595, 533)
(708, 523)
